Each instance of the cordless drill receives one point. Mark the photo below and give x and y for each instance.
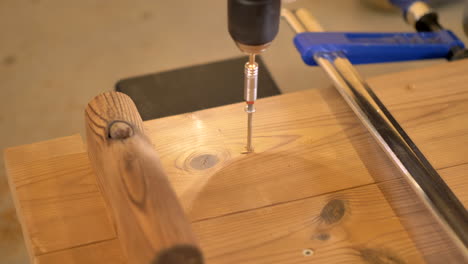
(253, 24)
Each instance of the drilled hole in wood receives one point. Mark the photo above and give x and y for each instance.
(308, 252)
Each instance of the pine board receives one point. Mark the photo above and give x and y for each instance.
(310, 150)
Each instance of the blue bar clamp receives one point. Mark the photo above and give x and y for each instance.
(362, 48)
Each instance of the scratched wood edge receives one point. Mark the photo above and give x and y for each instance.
(10, 157)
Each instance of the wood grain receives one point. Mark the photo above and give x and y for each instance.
(44, 150)
(52, 217)
(61, 212)
(351, 226)
(432, 109)
(330, 224)
(152, 225)
(310, 150)
(319, 217)
(456, 177)
(105, 252)
(61, 209)
(307, 153)
(311, 136)
(422, 227)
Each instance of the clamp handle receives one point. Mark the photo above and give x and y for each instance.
(364, 48)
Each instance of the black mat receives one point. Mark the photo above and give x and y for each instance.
(193, 88)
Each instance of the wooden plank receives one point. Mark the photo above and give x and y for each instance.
(455, 177)
(309, 147)
(57, 197)
(307, 136)
(203, 230)
(422, 227)
(44, 150)
(202, 155)
(352, 226)
(16, 156)
(343, 227)
(432, 106)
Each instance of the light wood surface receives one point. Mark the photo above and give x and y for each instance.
(59, 205)
(424, 230)
(52, 217)
(311, 154)
(108, 251)
(151, 224)
(342, 227)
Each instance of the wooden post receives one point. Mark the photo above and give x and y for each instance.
(151, 224)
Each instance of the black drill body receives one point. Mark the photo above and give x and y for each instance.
(253, 22)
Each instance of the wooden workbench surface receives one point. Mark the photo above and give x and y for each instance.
(317, 189)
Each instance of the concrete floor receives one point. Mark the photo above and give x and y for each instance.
(56, 55)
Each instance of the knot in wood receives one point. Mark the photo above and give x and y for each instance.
(202, 159)
(120, 130)
(322, 236)
(203, 162)
(333, 211)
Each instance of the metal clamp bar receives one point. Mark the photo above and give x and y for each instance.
(419, 173)
(422, 177)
